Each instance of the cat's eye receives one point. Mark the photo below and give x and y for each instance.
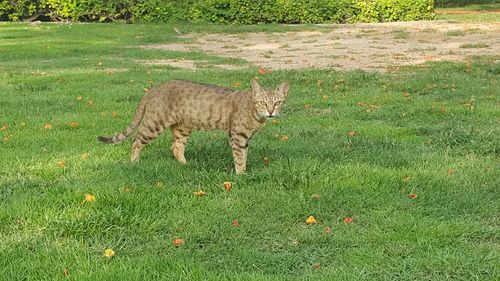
(277, 103)
(263, 103)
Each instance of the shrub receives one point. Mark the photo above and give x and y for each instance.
(220, 11)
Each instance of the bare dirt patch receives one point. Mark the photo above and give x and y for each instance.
(359, 46)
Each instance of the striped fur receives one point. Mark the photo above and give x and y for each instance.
(184, 106)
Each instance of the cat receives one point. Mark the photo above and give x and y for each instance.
(185, 105)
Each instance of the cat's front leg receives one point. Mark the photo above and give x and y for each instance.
(239, 144)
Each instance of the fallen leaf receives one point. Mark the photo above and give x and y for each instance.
(90, 103)
(369, 110)
(85, 156)
(89, 198)
(200, 193)
(66, 272)
(406, 95)
(228, 185)
(429, 141)
(412, 195)
(237, 84)
(443, 110)
(327, 230)
(236, 223)
(47, 126)
(348, 220)
(311, 220)
(61, 163)
(109, 253)
(126, 189)
(19, 221)
(451, 171)
(307, 105)
(159, 184)
(4, 127)
(114, 113)
(284, 137)
(406, 179)
(79, 98)
(74, 125)
(23, 124)
(362, 103)
(352, 133)
(265, 160)
(110, 72)
(377, 106)
(317, 266)
(325, 97)
(263, 70)
(177, 242)
(315, 196)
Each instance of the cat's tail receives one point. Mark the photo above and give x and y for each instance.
(139, 114)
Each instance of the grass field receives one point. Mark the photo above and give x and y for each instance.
(412, 157)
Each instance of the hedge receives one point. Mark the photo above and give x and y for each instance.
(219, 11)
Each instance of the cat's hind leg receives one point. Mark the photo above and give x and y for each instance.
(148, 130)
(180, 135)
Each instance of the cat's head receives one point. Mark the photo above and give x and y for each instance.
(269, 103)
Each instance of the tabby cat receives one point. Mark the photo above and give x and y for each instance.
(184, 106)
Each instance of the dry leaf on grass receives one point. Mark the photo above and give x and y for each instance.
(348, 220)
(177, 242)
(200, 193)
(236, 223)
(311, 220)
(109, 253)
(89, 198)
(228, 185)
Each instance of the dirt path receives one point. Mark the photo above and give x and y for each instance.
(364, 46)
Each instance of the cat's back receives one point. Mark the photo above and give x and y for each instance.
(190, 89)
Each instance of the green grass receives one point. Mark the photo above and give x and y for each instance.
(443, 135)
(477, 45)
(471, 13)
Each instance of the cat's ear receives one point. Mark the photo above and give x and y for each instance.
(284, 87)
(256, 87)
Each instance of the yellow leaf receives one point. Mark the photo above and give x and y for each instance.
(47, 126)
(74, 124)
(311, 220)
(85, 156)
(89, 198)
(200, 193)
(109, 253)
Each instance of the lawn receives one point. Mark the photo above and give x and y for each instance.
(412, 157)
